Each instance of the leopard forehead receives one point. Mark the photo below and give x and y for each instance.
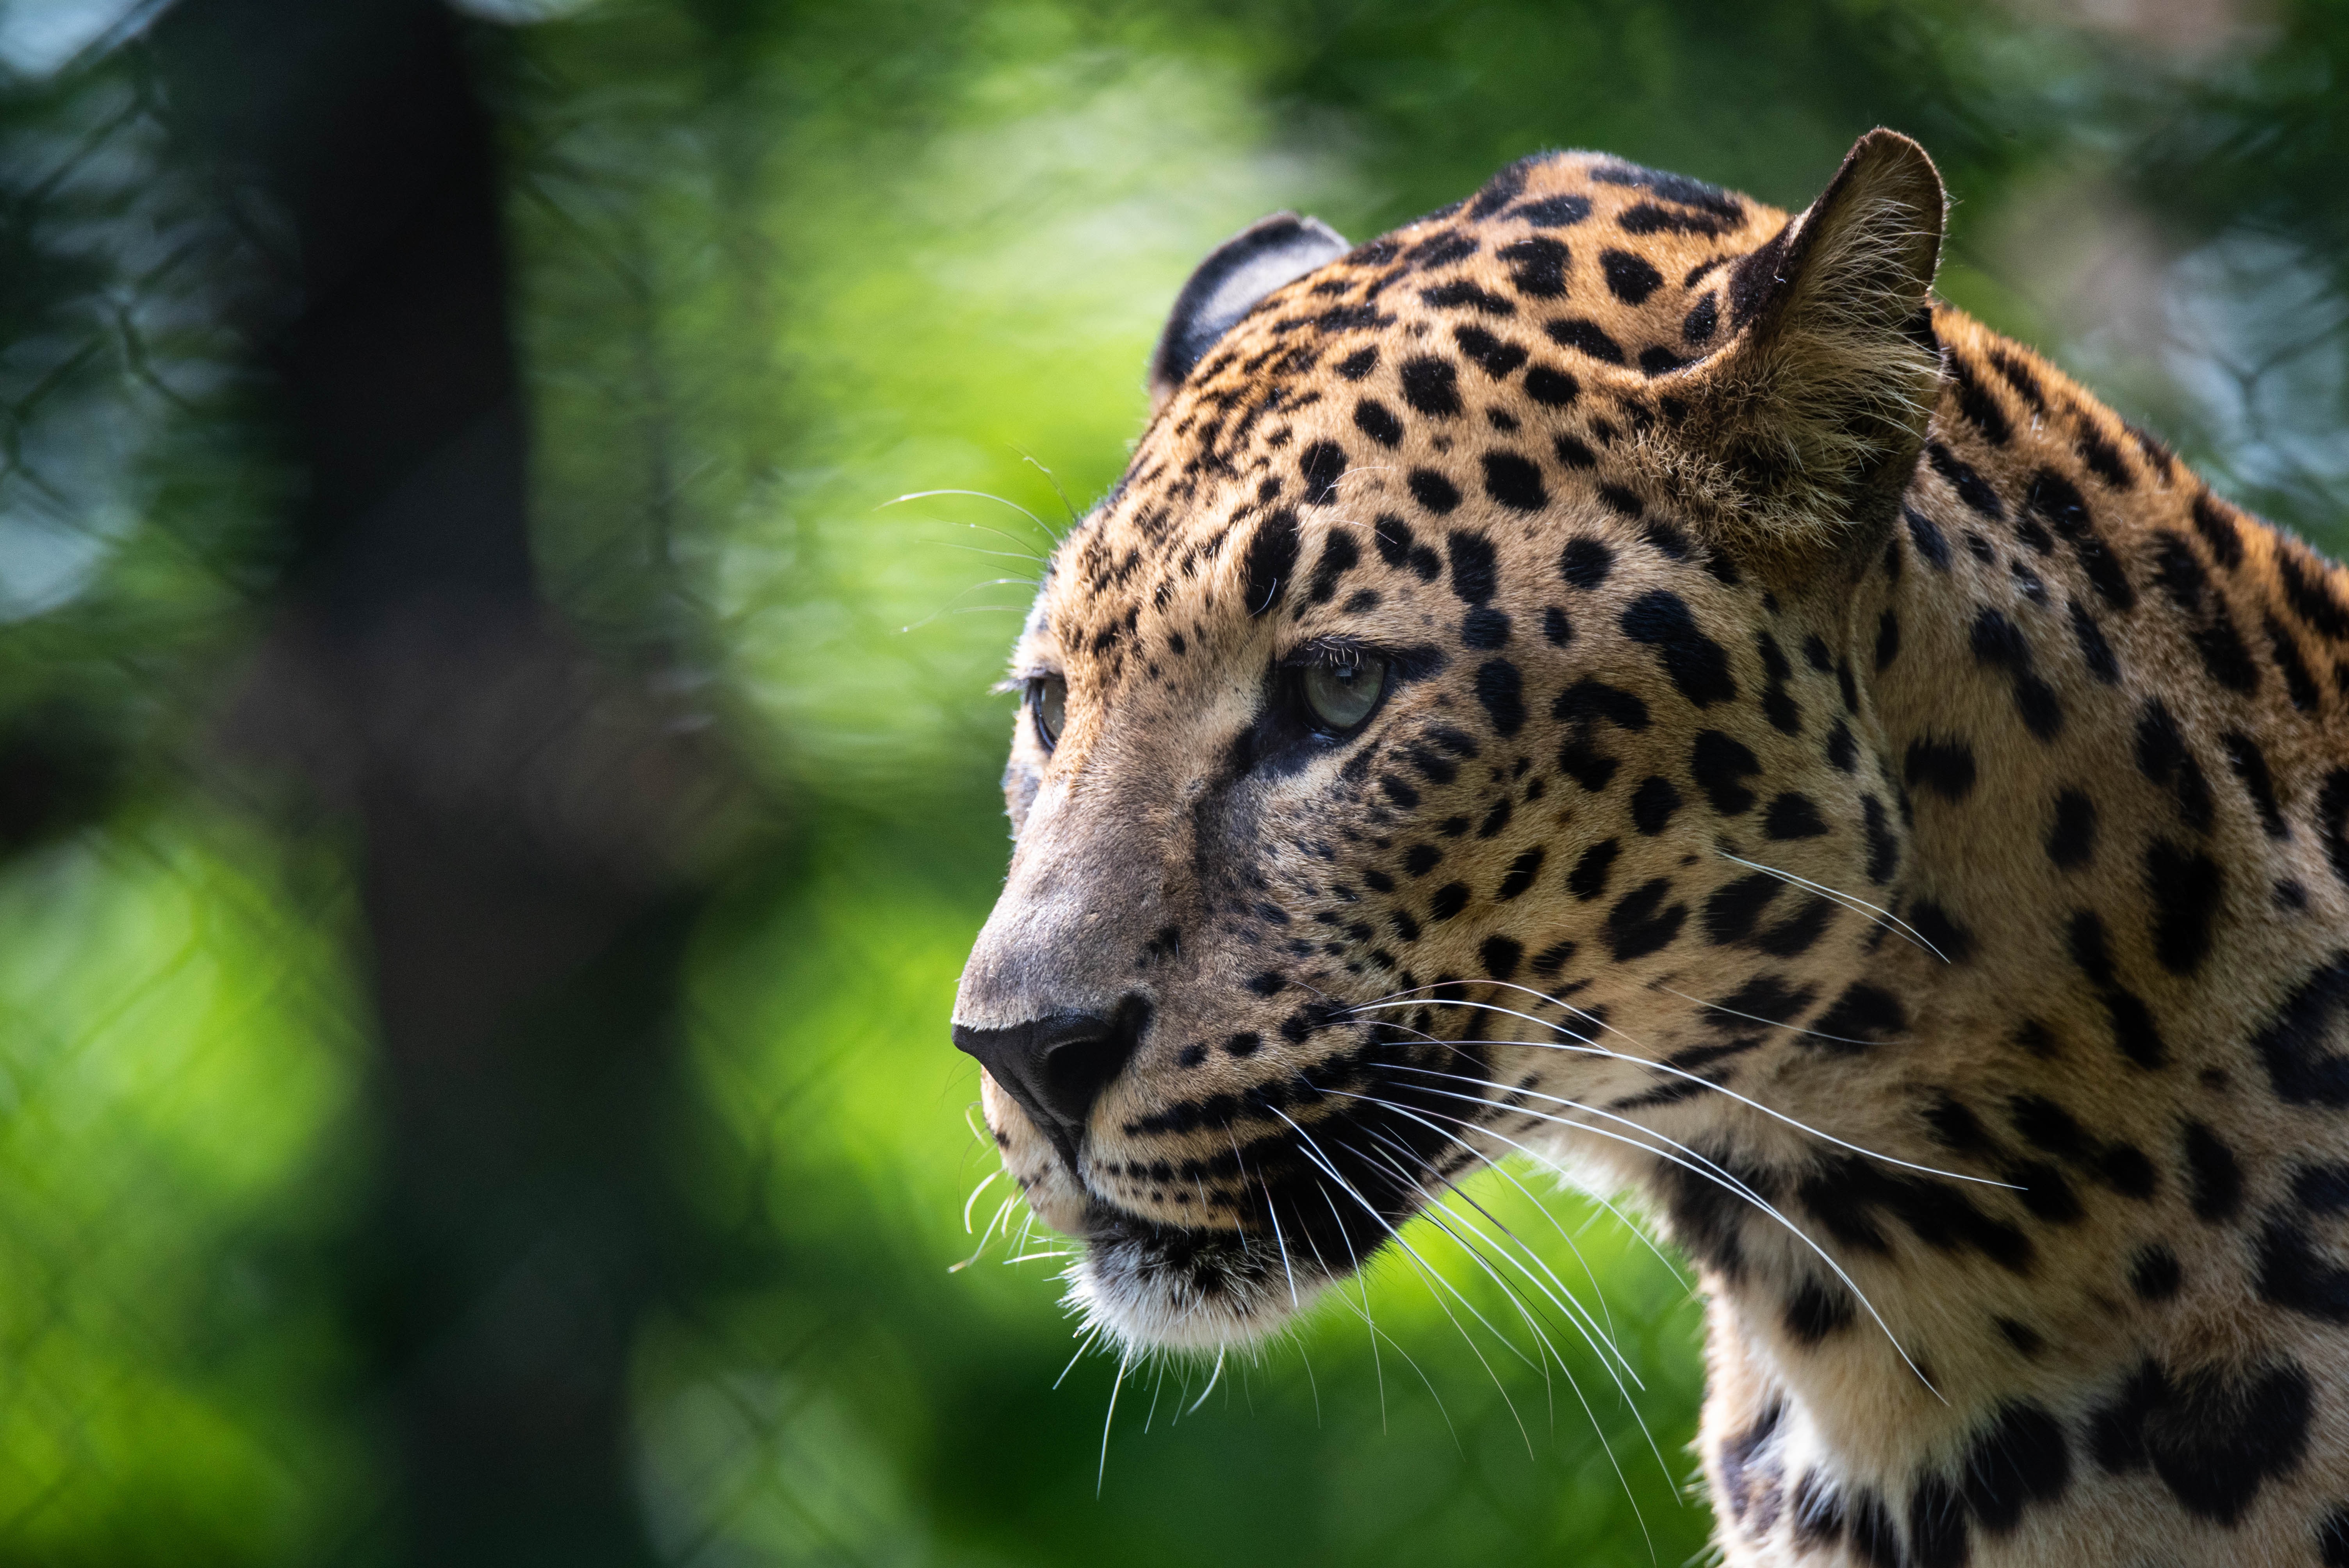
(1518, 346)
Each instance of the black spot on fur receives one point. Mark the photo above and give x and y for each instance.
(1792, 816)
(1521, 873)
(2163, 758)
(2295, 1043)
(1495, 357)
(1720, 766)
(1944, 767)
(1862, 1016)
(1501, 689)
(1629, 278)
(1501, 956)
(1431, 384)
(1513, 481)
(1573, 452)
(1359, 364)
(1584, 563)
(1475, 575)
(1588, 880)
(1970, 487)
(2021, 1459)
(1734, 909)
(2057, 500)
(1641, 924)
(2094, 652)
(1484, 627)
(1432, 490)
(1817, 1311)
(1702, 319)
(1588, 336)
(2214, 1437)
(1553, 388)
(1377, 421)
(2308, 588)
(1698, 665)
(1926, 536)
(2333, 1538)
(2185, 887)
(1537, 264)
(2214, 1178)
(1270, 561)
(2134, 1034)
(1999, 642)
(2072, 839)
(2154, 1273)
(1553, 211)
(1653, 803)
(1340, 554)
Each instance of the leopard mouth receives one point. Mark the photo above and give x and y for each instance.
(1315, 1208)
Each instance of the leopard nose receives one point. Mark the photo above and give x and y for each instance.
(1056, 1066)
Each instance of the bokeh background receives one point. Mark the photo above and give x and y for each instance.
(767, 267)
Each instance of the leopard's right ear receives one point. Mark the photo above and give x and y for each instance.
(1245, 268)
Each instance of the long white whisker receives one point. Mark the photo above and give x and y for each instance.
(1576, 1313)
(1101, 1474)
(1774, 1023)
(1585, 1324)
(1212, 1378)
(1051, 479)
(985, 1183)
(981, 495)
(1587, 1047)
(1703, 1168)
(1080, 1355)
(1429, 1276)
(1853, 901)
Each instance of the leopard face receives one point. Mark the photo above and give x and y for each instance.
(1443, 741)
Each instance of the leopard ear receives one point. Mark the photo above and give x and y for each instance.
(1245, 268)
(1818, 409)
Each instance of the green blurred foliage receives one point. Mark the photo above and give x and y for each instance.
(778, 266)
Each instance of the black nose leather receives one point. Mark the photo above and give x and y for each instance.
(1056, 1066)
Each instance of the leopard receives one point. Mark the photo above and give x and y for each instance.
(1618, 672)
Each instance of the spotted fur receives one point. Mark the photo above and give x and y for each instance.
(1797, 691)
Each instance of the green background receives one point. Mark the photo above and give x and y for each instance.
(779, 265)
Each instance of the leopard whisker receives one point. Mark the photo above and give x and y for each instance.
(1853, 901)
(1601, 1341)
(1436, 1207)
(1378, 1371)
(1705, 1169)
(1054, 480)
(948, 607)
(1429, 1276)
(984, 1183)
(1585, 1045)
(1212, 1378)
(1087, 1344)
(977, 494)
(1774, 1023)
(1100, 1475)
(986, 1236)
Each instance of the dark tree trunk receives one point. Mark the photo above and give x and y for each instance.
(522, 816)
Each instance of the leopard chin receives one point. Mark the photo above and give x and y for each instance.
(1147, 1287)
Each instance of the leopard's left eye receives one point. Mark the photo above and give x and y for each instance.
(1342, 688)
(1048, 699)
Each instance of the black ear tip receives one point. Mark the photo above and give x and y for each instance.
(1241, 271)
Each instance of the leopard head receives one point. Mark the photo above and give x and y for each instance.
(1443, 740)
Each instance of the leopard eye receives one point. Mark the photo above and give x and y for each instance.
(1048, 699)
(1343, 688)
